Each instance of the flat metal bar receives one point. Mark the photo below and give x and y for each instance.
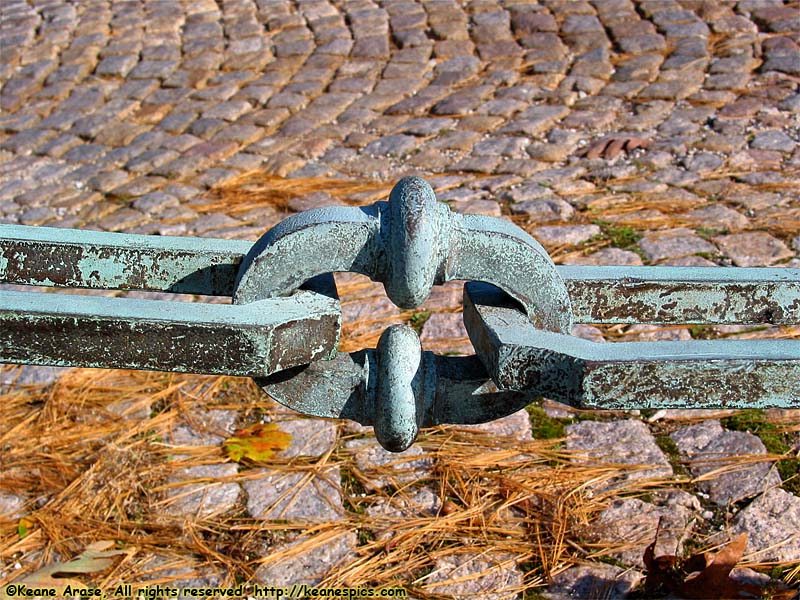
(689, 295)
(660, 295)
(94, 259)
(254, 339)
(697, 374)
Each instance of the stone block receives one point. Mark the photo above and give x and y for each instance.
(321, 554)
(295, 495)
(627, 442)
(753, 249)
(710, 448)
(204, 491)
(470, 575)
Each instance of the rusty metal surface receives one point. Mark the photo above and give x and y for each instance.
(697, 295)
(93, 259)
(250, 340)
(689, 295)
(696, 374)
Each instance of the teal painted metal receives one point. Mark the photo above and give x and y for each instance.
(409, 244)
(118, 261)
(251, 340)
(693, 295)
(401, 385)
(283, 326)
(695, 374)
(49, 329)
(687, 295)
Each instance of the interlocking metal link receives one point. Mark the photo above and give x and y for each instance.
(409, 244)
(248, 340)
(284, 324)
(400, 393)
(446, 389)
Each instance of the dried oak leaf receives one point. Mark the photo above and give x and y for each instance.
(97, 557)
(609, 147)
(705, 576)
(712, 579)
(256, 443)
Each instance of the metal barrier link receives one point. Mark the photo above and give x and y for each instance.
(284, 322)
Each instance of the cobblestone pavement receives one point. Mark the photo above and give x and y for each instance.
(133, 115)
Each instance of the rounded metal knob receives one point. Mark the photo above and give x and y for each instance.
(399, 355)
(415, 233)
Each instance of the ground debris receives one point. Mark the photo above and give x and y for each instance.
(706, 576)
(611, 146)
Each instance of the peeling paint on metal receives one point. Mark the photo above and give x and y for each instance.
(698, 374)
(100, 260)
(53, 329)
(284, 324)
(688, 295)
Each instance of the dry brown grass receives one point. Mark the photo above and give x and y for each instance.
(89, 454)
(92, 449)
(256, 189)
(782, 223)
(103, 474)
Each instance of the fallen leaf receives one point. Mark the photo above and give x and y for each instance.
(256, 443)
(713, 580)
(24, 527)
(705, 576)
(611, 146)
(97, 557)
(663, 572)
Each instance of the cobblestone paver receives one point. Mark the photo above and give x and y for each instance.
(132, 116)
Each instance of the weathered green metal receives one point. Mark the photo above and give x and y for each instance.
(251, 340)
(283, 325)
(688, 295)
(91, 259)
(408, 244)
(695, 374)
(447, 389)
(118, 261)
(399, 401)
(88, 331)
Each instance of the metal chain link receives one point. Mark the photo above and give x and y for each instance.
(284, 324)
